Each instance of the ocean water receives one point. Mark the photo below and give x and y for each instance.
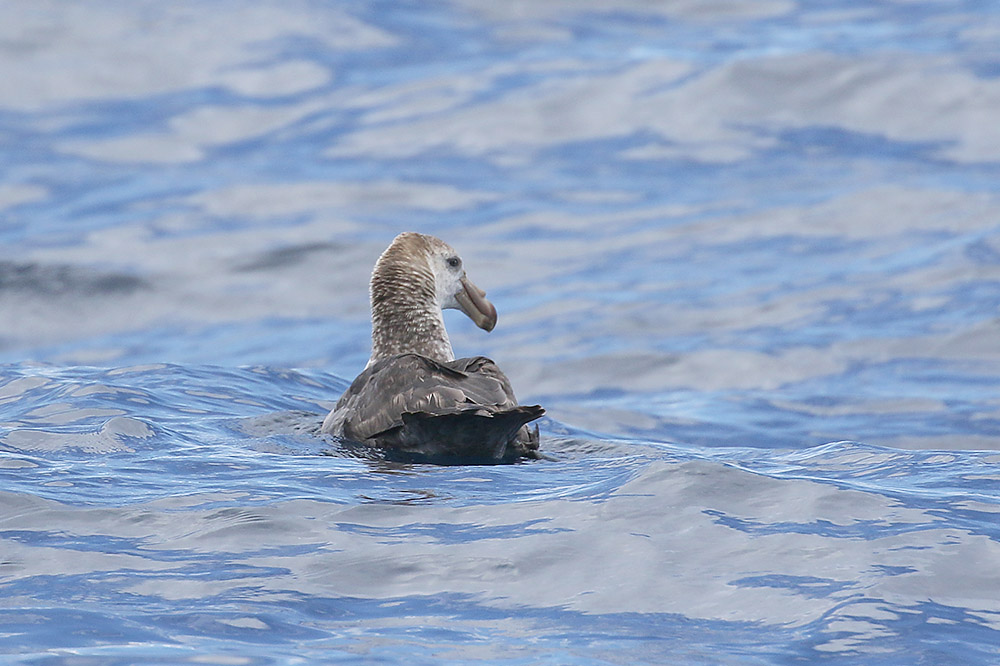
(746, 254)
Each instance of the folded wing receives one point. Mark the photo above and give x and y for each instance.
(415, 404)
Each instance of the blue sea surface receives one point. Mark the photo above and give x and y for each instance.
(746, 255)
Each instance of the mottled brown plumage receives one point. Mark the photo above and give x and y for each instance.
(414, 396)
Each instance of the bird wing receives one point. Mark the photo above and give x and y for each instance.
(413, 384)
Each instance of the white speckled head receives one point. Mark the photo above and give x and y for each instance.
(413, 281)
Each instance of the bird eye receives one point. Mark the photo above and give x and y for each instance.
(454, 262)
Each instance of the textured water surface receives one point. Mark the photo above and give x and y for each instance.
(747, 255)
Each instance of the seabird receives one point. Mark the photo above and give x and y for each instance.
(414, 396)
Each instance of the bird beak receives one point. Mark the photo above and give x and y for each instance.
(472, 301)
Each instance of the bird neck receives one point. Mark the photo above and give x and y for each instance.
(411, 331)
(406, 318)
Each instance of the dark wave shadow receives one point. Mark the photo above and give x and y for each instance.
(32, 278)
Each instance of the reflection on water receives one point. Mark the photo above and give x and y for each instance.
(746, 255)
